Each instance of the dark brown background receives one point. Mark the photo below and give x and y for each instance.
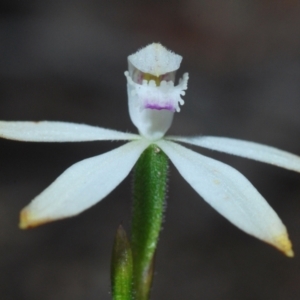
(64, 60)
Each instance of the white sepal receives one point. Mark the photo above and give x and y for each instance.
(245, 149)
(231, 194)
(82, 185)
(47, 131)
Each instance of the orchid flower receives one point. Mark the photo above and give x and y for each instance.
(153, 99)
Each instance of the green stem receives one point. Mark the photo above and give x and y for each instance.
(149, 193)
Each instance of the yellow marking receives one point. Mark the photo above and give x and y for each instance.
(284, 244)
(157, 79)
(27, 221)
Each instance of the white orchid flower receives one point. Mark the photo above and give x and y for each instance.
(153, 99)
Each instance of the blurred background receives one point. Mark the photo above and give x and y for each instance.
(64, 60)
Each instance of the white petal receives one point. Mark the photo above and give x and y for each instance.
(230, 193)
(47, 131)
(245, 149)
(82, 185)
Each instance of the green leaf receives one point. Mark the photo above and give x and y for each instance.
(121, 266)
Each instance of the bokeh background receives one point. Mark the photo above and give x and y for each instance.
(64, 60)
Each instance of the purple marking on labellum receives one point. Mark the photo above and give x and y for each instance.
(157, 106)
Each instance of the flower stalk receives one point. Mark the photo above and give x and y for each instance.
(149, 194)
